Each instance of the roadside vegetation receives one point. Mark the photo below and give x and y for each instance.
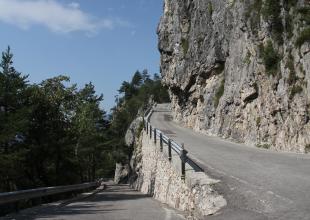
(134, 96)
(54, 133)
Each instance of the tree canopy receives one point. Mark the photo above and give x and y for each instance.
(53, 133)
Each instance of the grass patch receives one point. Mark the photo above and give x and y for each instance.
(271, 59)
(185, 45)
(219, 93)
(303, 37)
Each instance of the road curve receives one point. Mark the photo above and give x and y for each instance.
(257, 183)
(117, 202)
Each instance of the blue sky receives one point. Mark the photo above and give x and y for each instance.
(102, 41)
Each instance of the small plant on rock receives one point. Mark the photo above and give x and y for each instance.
(264, 146)
(307, 148)
(210, 8)
(185, 45)
(305, 14)
(272, 14)
(296, 89)
(303, 37)
(219, 93)
(258, 121)
(247, 59)
(292, 73)
(271, 59)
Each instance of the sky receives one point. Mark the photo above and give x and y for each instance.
(98, 41)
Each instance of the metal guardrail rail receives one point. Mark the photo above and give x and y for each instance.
(16, 196)
(158, 135)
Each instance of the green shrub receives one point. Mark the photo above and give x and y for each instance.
(261, 50)
(140, 129)
(272, 13)
(185, 45)
(288, 4)
(219, 93)
(289, 26)
(292, 73)
(303, 37)
(253, 13)
(220, 67)
(305, 14)
(296, 89)
(271, 59)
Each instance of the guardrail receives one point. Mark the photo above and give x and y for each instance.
(16, 196)
(158, 135)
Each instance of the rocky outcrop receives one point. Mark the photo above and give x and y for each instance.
(126, 172)
(122, 173)
(133, 131)
(240, 69)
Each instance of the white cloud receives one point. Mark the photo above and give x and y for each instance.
(74, 5)
(53, 15)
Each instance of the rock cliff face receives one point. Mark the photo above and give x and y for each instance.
(240, 69)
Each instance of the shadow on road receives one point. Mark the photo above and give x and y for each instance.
(96, 204)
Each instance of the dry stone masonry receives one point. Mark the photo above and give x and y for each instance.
(156, 176)
(240, 69)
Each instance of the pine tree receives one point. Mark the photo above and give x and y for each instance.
(14, 111)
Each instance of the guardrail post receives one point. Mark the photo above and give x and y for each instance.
(169, 150)
(155, 136)
(151, 132)
(183, 156)
(161, 142)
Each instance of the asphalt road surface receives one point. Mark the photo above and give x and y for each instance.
(257, 183)
(117, 202)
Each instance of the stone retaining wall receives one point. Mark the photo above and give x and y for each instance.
(160, 178)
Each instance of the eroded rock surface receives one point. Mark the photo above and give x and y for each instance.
(236, 70)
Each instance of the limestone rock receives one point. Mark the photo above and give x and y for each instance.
(122, 173)
(212, 60)
(133, 130)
